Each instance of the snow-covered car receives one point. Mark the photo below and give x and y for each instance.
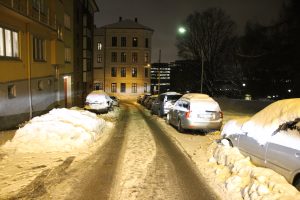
(164, 103)
(195, 111)
(271, 138)
(115, 100)
(98, 101)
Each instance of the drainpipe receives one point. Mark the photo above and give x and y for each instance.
(29, 69)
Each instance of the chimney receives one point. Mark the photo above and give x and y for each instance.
(136, 19)
(120, 19)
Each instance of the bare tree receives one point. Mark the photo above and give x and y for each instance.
(210, 36)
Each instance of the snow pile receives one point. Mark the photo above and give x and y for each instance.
(61, 130)
(270, 118)
(243, 179)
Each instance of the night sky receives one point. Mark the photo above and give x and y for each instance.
(165, 16)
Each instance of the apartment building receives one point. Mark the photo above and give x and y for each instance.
(160, 77)
(122, 53)
(36, 57)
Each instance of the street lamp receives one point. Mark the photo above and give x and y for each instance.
(182, 31)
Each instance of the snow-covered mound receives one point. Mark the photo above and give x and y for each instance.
(247, 181)
(60, 130)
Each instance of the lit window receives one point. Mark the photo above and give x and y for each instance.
(134, 88)
(11, 91)
(9, 43)
(1, 42)
(99, 58)
(134, 72)
(114, 87)
(134, 41)
(99, 46)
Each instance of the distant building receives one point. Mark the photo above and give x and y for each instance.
(37, 60)
(160, 77)
(122, 53)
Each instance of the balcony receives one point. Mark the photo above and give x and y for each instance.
(34, 12)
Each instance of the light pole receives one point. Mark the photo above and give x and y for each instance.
(182, 31)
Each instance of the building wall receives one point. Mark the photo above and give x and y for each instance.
(104, 74)
(37, 84)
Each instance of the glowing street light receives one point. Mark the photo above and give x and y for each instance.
(181, 30)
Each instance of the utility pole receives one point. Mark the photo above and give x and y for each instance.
(202, 65)
(158, 84)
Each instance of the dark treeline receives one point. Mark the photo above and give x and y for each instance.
(263, 62)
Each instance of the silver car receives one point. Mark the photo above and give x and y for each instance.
(271, 138)
(196, 112)
(164, 102)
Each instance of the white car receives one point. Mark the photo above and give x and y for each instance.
(271, 138)
(195, 111)
(98, 101)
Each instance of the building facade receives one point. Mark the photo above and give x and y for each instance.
(160, 77)
(36, 58)
(122, 53)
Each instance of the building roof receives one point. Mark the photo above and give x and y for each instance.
(127, 24)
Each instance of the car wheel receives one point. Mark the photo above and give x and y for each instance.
(179, 127)
(297, 182)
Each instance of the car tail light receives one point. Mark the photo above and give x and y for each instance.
(188, 114)
(221, 114)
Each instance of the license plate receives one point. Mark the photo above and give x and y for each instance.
(206, 116)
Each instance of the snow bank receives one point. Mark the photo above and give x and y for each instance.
(247, 181)
(60, 130)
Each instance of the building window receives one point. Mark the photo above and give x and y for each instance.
(99, 58)
(113, 72)
(99, 46)
(146, 72)
(123, 71)
(134, 57)
(123, 87)
(67, 21)
(113, 56)
(134, 72)
(134, 88)
(67, 55)
(9, 43)
(38, 49)
(123, 41)
(123, 57)
(98, 86)
(60, 32)
(134, 41)
(39, 5)
(114, 41)
(114, 87)
(146, 57)
(11, 91)
(145, 87)
(147, 43)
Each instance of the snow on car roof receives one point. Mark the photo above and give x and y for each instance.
(268, 120)
(196, 96)
(171, 93)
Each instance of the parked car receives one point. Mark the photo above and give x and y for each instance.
(149, 103)
(164, 102)
(195, 111)
(142, 97)
(98, 101)
(271, 138)
(115, 100)
(145, 97)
